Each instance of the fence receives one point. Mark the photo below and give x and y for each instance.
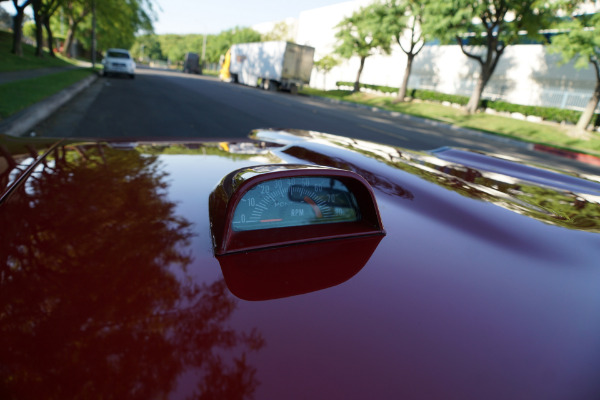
(570, 99)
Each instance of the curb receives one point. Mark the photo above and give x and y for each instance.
(573, 155)
(20, 123)
(557, 151)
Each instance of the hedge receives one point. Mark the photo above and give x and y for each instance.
(547, 113)
(383, 89)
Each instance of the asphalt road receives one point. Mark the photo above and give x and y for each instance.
(169, 105)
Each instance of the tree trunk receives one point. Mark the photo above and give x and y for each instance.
(357, 82)
(18, 33)
(588, 113)
(488, 66)
(483, 79)
(46, 22)
(39, 35)
(404, 87)
(69, 41)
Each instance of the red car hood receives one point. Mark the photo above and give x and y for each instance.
(486, 285)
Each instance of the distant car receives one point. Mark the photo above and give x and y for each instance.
(118, 61)
(191, 64)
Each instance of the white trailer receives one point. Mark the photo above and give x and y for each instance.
(271, 65)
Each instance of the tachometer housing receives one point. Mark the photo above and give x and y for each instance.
(226, 197)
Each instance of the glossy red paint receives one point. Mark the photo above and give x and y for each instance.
(486, 285)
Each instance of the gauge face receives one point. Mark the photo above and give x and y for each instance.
(295, 201)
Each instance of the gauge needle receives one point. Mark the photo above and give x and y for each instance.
(314, 206)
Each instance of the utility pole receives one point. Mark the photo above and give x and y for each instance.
(203, 50)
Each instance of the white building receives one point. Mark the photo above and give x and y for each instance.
(526, 74)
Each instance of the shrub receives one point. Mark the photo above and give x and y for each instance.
(383, 89)
(436, 96)
(546, 113)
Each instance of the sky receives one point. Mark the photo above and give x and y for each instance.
(202, 16)
(214, 16)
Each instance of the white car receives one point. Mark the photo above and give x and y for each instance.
(118, 61)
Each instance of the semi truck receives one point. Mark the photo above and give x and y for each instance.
(269, 65)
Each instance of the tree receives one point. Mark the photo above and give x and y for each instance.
(404, 20)
(280, 31)
(362, 35)
(326, 64)
(39, 36)
(580, 41)
(216, 46)
(48, 8)
(29, 30)
(151, 332)
(173, 47)
(118, 21)
(483, 29)
(75, 11)
(147, 47)
(17, 48)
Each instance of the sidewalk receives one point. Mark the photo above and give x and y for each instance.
(13, 76)
(20, 123)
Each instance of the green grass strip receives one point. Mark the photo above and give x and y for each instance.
(18, 95)
(11, 62)
(210, 72)
(542, 133)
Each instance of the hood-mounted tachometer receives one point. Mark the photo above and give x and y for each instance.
(278, 205)
(285, 230)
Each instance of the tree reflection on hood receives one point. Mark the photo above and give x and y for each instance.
(89, 303)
